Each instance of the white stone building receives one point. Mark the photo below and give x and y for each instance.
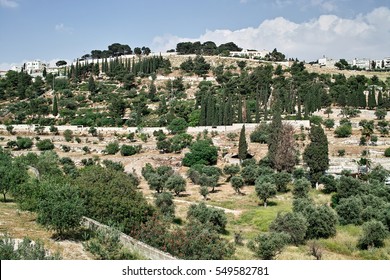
(250, 53)
(35, 66)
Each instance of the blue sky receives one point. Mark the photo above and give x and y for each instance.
(307, 29)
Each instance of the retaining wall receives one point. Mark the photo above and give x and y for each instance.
(134, 245)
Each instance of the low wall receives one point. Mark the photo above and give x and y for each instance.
(134, 245)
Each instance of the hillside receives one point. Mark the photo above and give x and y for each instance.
(128, 108)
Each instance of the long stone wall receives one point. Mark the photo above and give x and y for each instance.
(134, 245)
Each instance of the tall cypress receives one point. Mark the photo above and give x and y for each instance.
(257, 108)
(242, 145)
(248, 112)
(55, 106)
(371, 100)
(239, 112)
(274, 137)
(380, 100)
(316, 154)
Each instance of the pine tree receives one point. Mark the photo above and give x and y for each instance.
(242, 145)
(55, 106)
(316, 154)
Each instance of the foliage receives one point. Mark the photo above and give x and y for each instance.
(268, 246)
(118, 166)
(322, 221)
(350, 210)
(292, 223)
(176, 183)
(128, 150)
(237, 183)
(281, 180)
(343, 131)
(387, 152)
(242, 145)
(60, 208)
(24, 250)
(329, 123)
(301, 188)
(68, 135)
(374, 233)
(231, 170)
(111, 197)
(316, 154)
(178, 126)
(201, 152)
(164, 202)
(105, 244)
(45, 145)
(202, 213)
(265, 188)
(112, 148)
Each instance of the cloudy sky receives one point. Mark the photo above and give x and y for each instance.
(304, 29)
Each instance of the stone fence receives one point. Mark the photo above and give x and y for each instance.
(134, 245)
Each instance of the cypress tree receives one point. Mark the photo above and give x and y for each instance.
(242, 145)
(380, 99)
(316, 154)
(257, 109)
(203, 104)
(91, 85)
(210, 110)
(55, 106)
(361, 99)
(371, 100)
(239, 112)
(274, 137)
(248, 112)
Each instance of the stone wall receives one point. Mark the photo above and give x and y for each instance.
(134, 245)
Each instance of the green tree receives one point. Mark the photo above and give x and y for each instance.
(316, 154)
(380, 113)
(292, 223)
(242, 145)
(268, 246)
(68, 135)
(374, 234)
(202, 213)
(329, 123)
(231, 170)
(12, 174)
(60, 208)
(301, 188)
(164, 202)
(91, 85)
(176, 183)
(343, 131)
(281, 180)
(45, 145)
(350, 210)
(178, 126)
(112, 148)
(237, 183)
(265, 189)
(55, 106)
(201, 152)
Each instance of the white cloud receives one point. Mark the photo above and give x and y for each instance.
(62, 28)
(9, 3)
(364, 36)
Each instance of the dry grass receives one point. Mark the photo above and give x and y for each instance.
(19, 224)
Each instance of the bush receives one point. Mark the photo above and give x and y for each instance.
(343, 131)
(68, 135)
(350, 210)
(202, 152)
(281, 180)
(24, 143)
(202, 213)
(237, 183)
(268, 246)
(45, 145)
(260, 134)
(374, 234)
(112, 148)
(293, 224)
(341, 152)
(164, 202)
(301, 188)
(387, 152)
(127, 150)
(177, 126)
